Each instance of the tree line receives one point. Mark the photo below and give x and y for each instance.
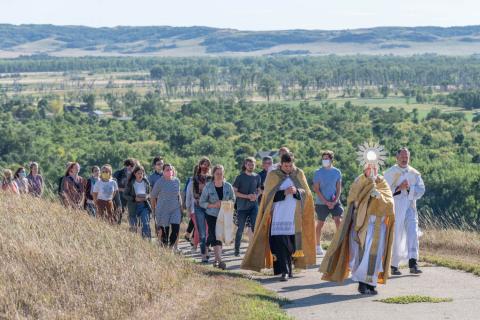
(445, 146)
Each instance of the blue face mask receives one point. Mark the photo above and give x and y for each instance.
(22, 174)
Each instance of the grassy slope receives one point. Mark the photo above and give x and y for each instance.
(60, 264)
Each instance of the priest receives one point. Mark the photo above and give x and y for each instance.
(407, 187)
(363, 244)
(285, 230)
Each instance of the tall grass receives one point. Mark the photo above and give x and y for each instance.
(62, 264)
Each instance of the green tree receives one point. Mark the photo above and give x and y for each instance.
(267, 87)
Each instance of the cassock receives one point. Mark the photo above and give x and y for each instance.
(405, 245)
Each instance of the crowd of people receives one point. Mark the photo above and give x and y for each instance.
(378, 231)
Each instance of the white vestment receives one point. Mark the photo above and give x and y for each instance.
(359, 268)
(405, 244)
(283, 220)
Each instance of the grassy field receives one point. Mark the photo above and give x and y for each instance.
(77, 83)
(59, 264)
(383, 103)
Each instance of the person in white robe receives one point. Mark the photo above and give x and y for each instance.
(407, 187)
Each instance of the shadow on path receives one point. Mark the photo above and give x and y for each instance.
(323, 298)
(316, 285)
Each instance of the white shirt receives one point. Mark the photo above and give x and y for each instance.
(140, 188)
(105, 189)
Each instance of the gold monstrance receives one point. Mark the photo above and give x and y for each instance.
(372, 155)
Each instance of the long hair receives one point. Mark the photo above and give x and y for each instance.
(34, 164)
(70, 166)
(7, 176)
(17, 173)
(198, 171)
(135, 170)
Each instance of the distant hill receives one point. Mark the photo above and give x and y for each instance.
(16, 40)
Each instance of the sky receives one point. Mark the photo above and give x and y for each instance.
(243, 14)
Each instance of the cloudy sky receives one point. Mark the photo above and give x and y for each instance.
(244, 14)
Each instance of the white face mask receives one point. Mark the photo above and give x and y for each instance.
(326, 163)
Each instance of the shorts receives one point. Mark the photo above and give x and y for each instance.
(323, 211)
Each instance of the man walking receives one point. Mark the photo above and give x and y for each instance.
(407, 187)
(247, 187)
(327, 184)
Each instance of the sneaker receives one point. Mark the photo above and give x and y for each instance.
(236, 253)
(395, 271)
(283, 277)
(222, 265)
(205, 260)
(320, 251)
(215, 264)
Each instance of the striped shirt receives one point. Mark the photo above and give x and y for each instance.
(167, 193)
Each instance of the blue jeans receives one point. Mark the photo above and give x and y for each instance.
(241, 219)
(144, 213)
(202, 228)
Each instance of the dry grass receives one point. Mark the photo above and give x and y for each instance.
(59, 264)
(455, 244)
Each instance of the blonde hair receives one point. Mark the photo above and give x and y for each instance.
(7, 175)
(217, 167)
(107, 167)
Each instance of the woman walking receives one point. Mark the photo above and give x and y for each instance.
(214, 193)
(22, 181)
(104, 191)
(199, 180)
(137, 193)
(8, 183)
(167, 204)
(73, 191)
(191, 234)
(35, 180)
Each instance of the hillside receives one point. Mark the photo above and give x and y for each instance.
(16, 40)
(58, 264)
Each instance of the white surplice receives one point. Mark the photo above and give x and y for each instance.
(283, 220)
(405, 244)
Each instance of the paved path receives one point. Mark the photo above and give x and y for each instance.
(312, 298)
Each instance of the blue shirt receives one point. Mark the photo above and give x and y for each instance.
(153, 178)
(327, 178)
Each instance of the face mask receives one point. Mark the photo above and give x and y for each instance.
(106, 176)
(326, 163)
(23, 174)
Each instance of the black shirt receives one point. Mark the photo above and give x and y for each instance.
(219, 192)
